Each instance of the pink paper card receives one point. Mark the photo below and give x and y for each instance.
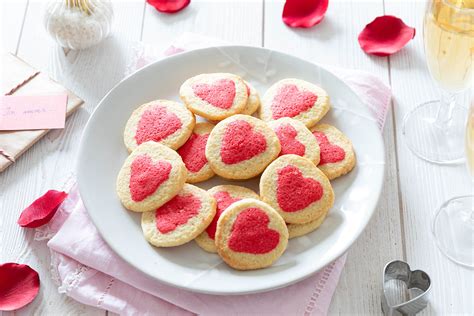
(32, 112)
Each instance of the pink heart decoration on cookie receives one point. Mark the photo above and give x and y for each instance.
(295, 192)
(241, 143)
(289, 101)
(250, 233)
(220, 94)
(176, 212)
(330, 153)
(289, 144)
(156, 124)
(146, 176)
(224, 200)
(193, 152)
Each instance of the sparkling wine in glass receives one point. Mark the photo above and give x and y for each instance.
(434, 130)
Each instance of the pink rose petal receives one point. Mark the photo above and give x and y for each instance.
(304, 13)
(19, 285)
(42, 209)
(385, 35)
(169, 6)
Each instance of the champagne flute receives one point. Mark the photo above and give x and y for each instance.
(453, 225)
(434, 130)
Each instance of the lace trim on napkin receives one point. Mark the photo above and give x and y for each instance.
(105, 292)
(319, 289)
(72, 280)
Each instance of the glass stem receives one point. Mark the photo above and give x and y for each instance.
(445, 111)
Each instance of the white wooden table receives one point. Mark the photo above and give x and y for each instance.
(413, 189)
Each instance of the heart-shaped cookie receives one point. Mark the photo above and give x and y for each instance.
(162, 121)
(337, 155)
(289, 144)
(296, 189)
(329, 153)
(296, 99)
(181, 219)
(289, 101)
(155, 124)
(295, 192)
(176, 212)
(241, 146)
(240, 142)
(224, 200)
(416, 287)
(250, 233)
(193, 153)
(225, 195)
(295, 138)
(150, 176)
(146, 176)
(220, 93)
(214, 96)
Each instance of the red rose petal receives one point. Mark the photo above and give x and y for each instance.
(304, 13)
(19, 285)
(169, 6)
(42, 209)
(385, 35)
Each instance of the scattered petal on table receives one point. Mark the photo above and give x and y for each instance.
(304, 13)
(385, 35)
(169, 6)
(19, 286)
(42, 209)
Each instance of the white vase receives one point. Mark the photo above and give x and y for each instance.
(78, 24)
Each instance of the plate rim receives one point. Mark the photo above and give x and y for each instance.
(189, 287)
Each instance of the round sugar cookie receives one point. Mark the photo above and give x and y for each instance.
(162, 121)
(224, 195)
(214, 96)
(297, 99)
(150, 177)
(241, 147)
(297, 230)
(295, 139)
(296, 189)
(181, 219)
(337, 154)
(253, 101)
(194, 156)
(250, 235)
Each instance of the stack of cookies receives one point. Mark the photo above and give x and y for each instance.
(294, 156)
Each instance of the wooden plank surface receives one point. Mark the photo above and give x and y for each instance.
(334, 43)
(238, 22)
(12, 13)
(49, 163)
(424, 186)
(400, 228)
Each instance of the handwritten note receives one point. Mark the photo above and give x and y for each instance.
(32, 112)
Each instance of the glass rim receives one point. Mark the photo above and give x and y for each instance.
(449, 4)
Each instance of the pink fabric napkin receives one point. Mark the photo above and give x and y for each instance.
(87, 270)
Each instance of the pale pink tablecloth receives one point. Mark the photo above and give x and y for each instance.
(87, 270)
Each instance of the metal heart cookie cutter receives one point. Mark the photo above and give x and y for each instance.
(405, 292)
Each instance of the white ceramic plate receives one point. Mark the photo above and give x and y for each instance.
(102, 153)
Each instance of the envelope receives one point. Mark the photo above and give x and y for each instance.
(19, 78)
